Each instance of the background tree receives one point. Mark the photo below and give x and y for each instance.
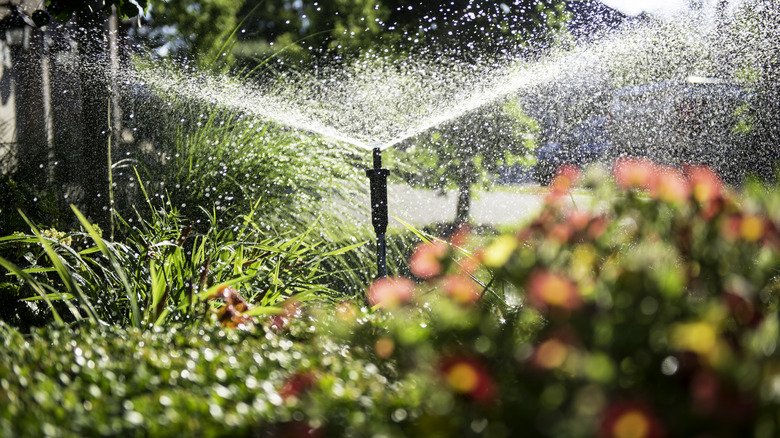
(755, 61)
(95, 33)
(468, 151)
(199, 29)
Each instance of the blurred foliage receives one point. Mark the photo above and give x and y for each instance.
(63, 10)
(293, 31)
(655, 314)
(754, 59)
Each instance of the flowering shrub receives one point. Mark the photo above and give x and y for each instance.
(652, 314)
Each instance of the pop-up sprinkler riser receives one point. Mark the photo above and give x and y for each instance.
(378, 178)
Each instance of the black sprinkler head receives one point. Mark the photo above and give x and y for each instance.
(40, 18)
(378, 178)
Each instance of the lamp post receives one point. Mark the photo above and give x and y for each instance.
(378, 178)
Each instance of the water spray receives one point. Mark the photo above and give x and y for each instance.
(378, 177)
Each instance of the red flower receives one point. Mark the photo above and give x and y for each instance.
(290, 309)
(300, 429)
(635, 173)
(561, 232)
(461, 235)
(426, 261)
(565, 178)
(597, 227)
(390, 292)
(706, 185)
(670, 186)
(743, 309)
(750, 228)
(547, 290)
(630, 419)
(297, 384)
(461, 288)
(469, 376)
(551, 354)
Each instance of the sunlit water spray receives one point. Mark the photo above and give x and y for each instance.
(383, 101)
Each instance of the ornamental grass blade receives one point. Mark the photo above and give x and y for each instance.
(64, 273)
(135, 313)
(37, 288)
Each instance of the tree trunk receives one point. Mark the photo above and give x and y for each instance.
(464, 203)
(66, 115)
(31, 131)
(95, 104)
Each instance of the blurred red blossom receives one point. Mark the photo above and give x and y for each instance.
(291, 309)
(565, 178)
(461, 288)
(470, 377)
(460, 237)
(296, 384)
(670, 185)
(635, 173)
(548, 290)
(706, 185)
(300, 429)
(551, 353)
(426, 260)
(714, 397)
(390, 292)
(750, 228)
(630, 419)
(743, 309)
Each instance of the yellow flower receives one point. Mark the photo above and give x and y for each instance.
(498, 253)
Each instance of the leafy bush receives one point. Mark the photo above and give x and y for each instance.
(652, 314)
(163, 272)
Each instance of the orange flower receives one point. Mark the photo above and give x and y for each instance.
(468, 376)
(426, 261)
(630, 419)
(670, 186)
(384, 347)
(752, 228)
(231, 314)
(390, 292)
(635, 173)
(597, 227)
(548, 290)
(461, 288)
(561, 232)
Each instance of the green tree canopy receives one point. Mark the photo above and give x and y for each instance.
(200, 29)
